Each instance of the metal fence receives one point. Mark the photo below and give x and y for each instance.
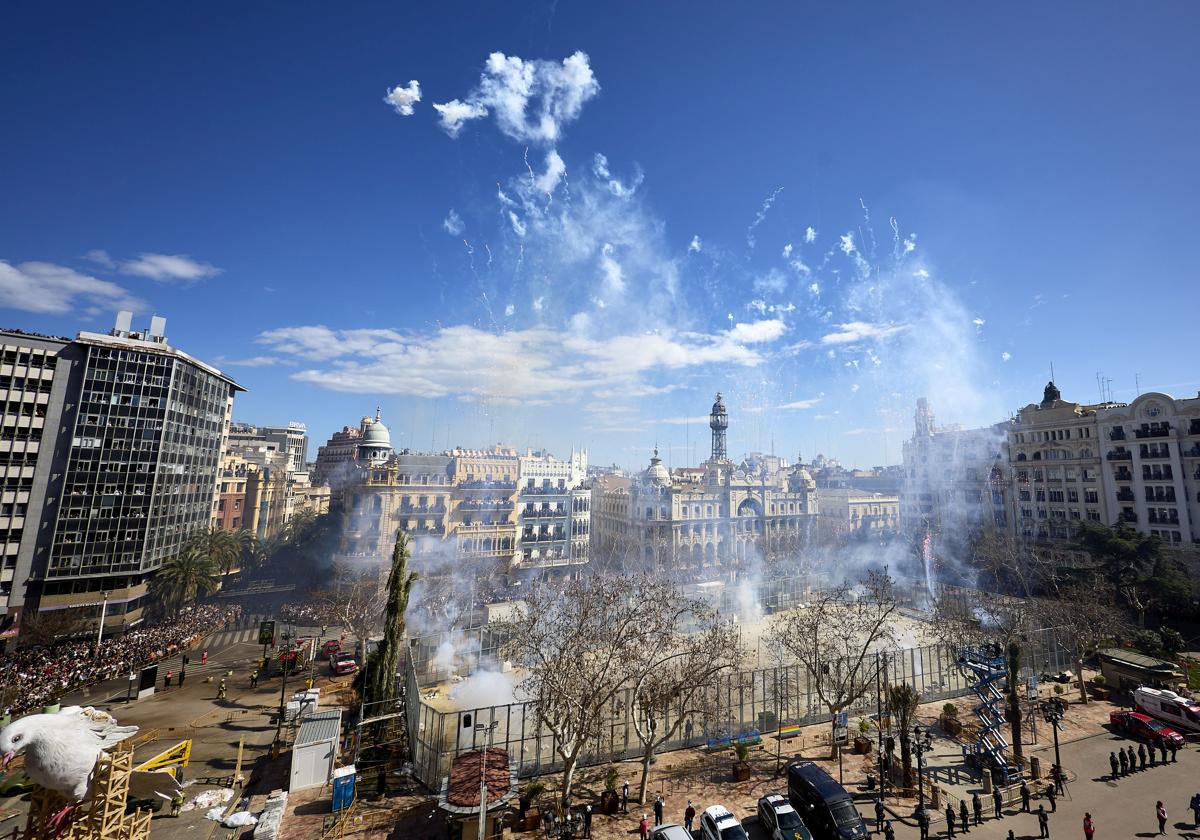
(738, 702)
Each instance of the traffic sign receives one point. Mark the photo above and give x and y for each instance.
(266, 632)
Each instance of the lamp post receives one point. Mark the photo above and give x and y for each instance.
(483, 791)
(283, 685)
(1053, 710)
(100, 632)
(922, 743)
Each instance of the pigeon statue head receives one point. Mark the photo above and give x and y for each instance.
(14, 738)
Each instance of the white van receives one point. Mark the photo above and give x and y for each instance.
(1166, 705)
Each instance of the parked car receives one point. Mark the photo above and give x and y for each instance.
(670, 831)
(1164, 704)
(716, 823)
(823, 804)
(779, 819)
(330, 648)
(342, 663)
(1145, 727)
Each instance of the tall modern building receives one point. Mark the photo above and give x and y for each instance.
(130, 438)
(292, 440)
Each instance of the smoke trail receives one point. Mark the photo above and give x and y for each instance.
(762, 214)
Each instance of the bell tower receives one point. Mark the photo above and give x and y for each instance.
(718, 421)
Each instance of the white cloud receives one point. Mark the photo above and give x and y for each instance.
(509, 311)
(100, 257)
(979, 322)
(453, 223)
(683, 421)
(787, 250)
(54, 289)
(810, 234)
(517, 225)
(538, 303)
(467, 362)
(454, 114)
(694, 247)
(253, 361)
(847, 244)
(814, 288)
(855, 331)
(168, 267)
(555, 169)
(773, 282)
(1005, 356)
(801, 405)
(531, 100)
(402, 99)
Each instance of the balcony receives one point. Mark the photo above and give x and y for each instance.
(1194, 452)
(1161, 498)
(1148, 453)
(1126, 496)
(1117, 434)
(1120, 455)
(1128, 516)
(1159, 474)
(406, 509)
(488, 485)
(1162, 520)
(1123, 475)
(1160, 432)
(544, 491)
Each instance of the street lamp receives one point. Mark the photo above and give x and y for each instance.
(922, 743)
(1053, 710)
(287, 637)
(100, 632)
(483, 791)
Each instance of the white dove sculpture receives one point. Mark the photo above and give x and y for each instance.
(61, 751)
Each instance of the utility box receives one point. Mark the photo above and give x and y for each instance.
(315, 750)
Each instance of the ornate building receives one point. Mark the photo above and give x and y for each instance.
(724, 516)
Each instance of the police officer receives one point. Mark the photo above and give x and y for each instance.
(878, 813)
(254, 678)
(1052, 795)
(221, 689)
(998, 802)
(1132, 758)
(977, 806)
(963, 817)
(1112, 762)
(1024, 796)
(1043, 821)
(1142, 755)
(949, 820)
(923, 821)
(1123, 759)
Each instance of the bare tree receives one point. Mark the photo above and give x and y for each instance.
(836, 635)
(581, 642)
(356, 604)
(675, 680)
(1087, 611)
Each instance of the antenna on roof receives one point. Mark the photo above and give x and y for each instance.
(1052, 371)
(1137, 383)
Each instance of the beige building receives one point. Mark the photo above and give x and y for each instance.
(729, 517)
(847, 511)
(1055, 460)
(1152, 465)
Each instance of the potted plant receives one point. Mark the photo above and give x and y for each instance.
(531, 817)
(609, 800)
(741, 769)
(949, 719)
(862, 741)
(1099, 689)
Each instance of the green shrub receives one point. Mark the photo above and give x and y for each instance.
(610, 778)
(1099, 679)
(950, 710)
(1171, 641)
(1058, 689)
(1148, 642)
(741, 750)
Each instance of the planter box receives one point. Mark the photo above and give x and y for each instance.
(741, 771)
(533, 821)
(1100, 692)
(952, 725)
(610, 802)
(862, 746)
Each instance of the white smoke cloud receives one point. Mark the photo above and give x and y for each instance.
(787, 250)
(453, 223)
(762, 214)
(857, 331)
(548, 181)
(532, 100)
(694, 246)
(810, 234)
(402, 99)
(847, 243)
(1005, 356)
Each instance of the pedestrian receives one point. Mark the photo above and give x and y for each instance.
(1089, 826)
(182, 674)
(949, 820)
(1112, 762)
(687, 731)
(963, 817)
(167, 679)
(658, 809)
(878, 814)
(998, 802)
(381, 782)
(587, 820)
(644, 828)
(1011, 836)
(1174, 751)
(625, 797)
(689, 815)
(1043, 821)
(186, 660)
(977, 807)
(1142, 755)
(1195, 806)
(923, 821)
(1052, 795)
(254, 678)
(1024, 796)
(1153, 745)
(1124, 762)
(221, 689)
(888, 832)
(1059, 777)
(1160, 811)
(1132, 758)
(176, 804)
(204, 657)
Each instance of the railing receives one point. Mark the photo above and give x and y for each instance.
(1126, 496)
(1120, 456)
(1142, 434)
(545, 491)
(1128, 516)
(1123, 475)
(1147, 453)
(1116, 434)
(1194, 452)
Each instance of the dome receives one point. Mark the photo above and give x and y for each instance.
(800, 479)
(656, 473)
(377, 434)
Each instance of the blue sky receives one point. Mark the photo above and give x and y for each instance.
(989, 190)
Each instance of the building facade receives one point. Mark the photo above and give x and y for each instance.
(291, 440)
(553, 511)
(725, 517)
(849, 512)
(126, 471)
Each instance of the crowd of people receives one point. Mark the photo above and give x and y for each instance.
(37, 676)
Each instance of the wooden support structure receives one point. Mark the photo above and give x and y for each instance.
(102, 815)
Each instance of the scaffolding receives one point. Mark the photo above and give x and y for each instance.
(990, 669)
(102, 815)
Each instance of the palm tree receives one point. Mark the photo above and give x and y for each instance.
(902, 702)
(184, 577)
(382, 683)
(222, 547)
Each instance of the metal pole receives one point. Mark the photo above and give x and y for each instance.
(880, 660)
(282, 686)
(100, 632)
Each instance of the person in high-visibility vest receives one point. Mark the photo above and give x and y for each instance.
(254, 679)
(221, 689)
